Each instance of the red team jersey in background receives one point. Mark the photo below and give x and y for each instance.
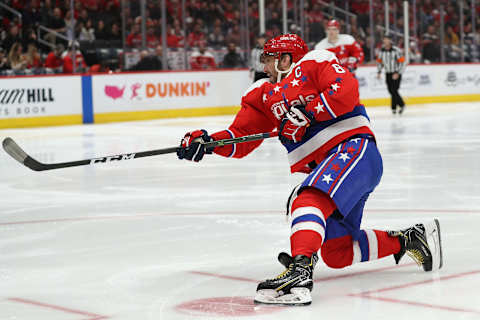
(202, 61)
(316, 81)
(346, 47)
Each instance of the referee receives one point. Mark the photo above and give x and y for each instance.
(256, 64)
(392, 59)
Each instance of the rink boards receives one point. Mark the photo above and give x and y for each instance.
(61, 100)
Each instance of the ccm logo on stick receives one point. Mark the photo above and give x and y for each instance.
(114, 158)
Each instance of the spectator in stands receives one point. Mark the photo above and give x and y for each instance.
(12, 37)
(54, 61)
(234, 35)
(31, 16)
(87, 31)
(216, 39)
(55, 21)
(83, 16)
(451, 38)
(274, 21)
(196, 36)
(72, 51)
(3, 61)
(29, 36)
(314, 18)
(472, 53)
(70, 24)
(415, 56)
(134, 39)
(149, 61)
(101, 33)
(431, 46)
(152, 39)
(232, 59)
(46, 10)
(15, 58)
(33, 57)
(202, 59)
(115, 33)
(174, 39)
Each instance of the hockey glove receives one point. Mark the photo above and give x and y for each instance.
(294, 124)
(192, 145)
(352, 64)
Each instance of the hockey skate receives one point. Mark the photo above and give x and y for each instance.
(422, 243)
(291, 287)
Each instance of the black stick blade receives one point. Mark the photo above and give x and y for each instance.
(14, 150)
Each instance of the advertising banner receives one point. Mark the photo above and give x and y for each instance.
(168, 90)
(423, 81)
(30, 97)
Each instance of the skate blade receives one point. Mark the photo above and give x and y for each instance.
(296, 297)
(434, 241)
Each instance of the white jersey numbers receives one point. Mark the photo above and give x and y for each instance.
(338, 68)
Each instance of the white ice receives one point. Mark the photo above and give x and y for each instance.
(158, 238)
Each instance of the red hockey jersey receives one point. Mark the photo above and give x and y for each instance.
(348, 51)
(316, 81)
(202, 61)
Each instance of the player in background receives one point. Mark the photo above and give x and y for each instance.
(348, 51)
(313, 103)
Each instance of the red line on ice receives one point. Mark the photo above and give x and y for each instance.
(179, 214)
(58, 308)
(368, 294)
(221, 276)
(414, 303)
(412, 284)
(340, 276)
(359, 273)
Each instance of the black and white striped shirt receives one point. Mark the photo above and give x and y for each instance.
(392, 59)
(255, 63)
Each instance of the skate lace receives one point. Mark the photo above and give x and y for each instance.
(416, 255)
(285, 272)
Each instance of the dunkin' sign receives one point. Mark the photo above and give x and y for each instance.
(168, 90)
(157, 90)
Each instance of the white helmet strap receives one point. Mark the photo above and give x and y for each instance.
(279, 72)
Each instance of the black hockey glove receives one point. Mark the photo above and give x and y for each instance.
(192, 147)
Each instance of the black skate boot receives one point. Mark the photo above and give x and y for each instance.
(291, 287)
(422, 243)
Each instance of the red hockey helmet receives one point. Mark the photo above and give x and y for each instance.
(287, 43)
(333, 24)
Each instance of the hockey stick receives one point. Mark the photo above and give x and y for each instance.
(14, 150)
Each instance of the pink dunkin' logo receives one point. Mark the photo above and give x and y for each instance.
(135, 88)
(114, 92)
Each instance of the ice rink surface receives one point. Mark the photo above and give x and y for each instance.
(158, 238)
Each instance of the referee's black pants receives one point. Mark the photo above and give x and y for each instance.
(393, 86)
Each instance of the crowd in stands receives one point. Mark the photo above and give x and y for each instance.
(214, 36)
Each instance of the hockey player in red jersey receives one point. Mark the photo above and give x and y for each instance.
(313, 103)
(348, 51)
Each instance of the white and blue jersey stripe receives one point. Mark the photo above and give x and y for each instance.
(325, 135)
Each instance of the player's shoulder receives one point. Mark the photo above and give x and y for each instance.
(257, 87)
(319, 56)
(345, 39)
(322, 44)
